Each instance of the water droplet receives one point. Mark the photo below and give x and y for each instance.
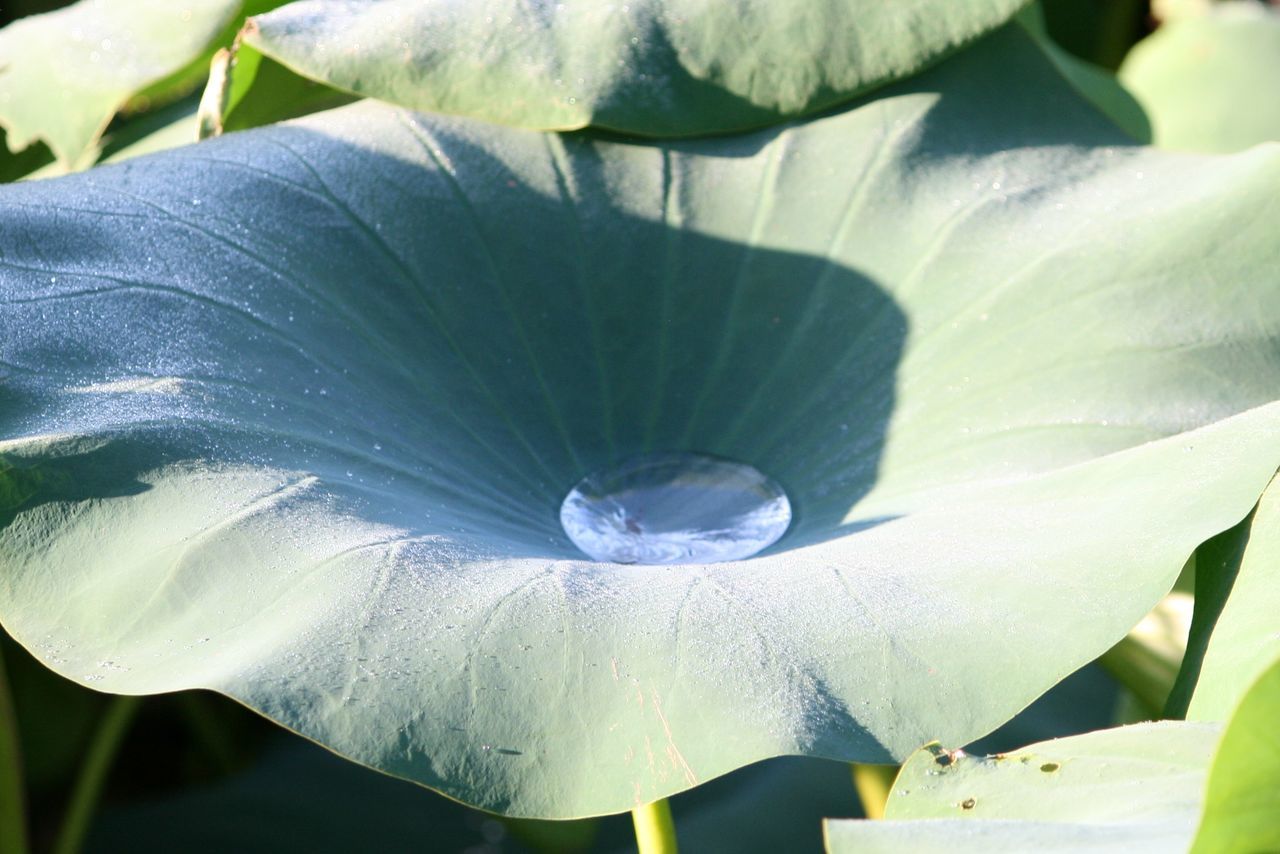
(666, 508)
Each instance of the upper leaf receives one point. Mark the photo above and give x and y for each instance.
(64, 74)
(290, 414)
(648, 67)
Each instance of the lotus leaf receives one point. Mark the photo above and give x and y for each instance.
(289, 415)
(1136, 788)
(648, 67)
(64, 74)
(1206, 81)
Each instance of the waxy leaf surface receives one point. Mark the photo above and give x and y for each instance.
(649, 67)
(1206, 81)
(64, 74)
(1153, 787)
(1137, 788)
(289, 415)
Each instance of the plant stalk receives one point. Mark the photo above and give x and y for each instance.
(13, 820)
(655, 831)
(93, 774)
(873, 782)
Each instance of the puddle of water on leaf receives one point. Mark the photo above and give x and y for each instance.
(668, 507)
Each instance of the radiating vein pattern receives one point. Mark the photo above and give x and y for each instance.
(291, 415)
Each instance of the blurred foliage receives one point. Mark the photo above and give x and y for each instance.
(1207, 81)
(14, 9)
(1100, 31)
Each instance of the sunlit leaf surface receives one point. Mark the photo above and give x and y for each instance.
(290, 414)
(1137, 788)
(1244, 782)
(64, 74)
(1207, 81)
(650, 67)
(1154, 787)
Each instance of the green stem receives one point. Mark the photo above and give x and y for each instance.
(655, 831)
(13, 820)
(873, 783)
(93, 773)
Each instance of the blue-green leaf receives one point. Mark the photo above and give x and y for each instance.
(289, 414)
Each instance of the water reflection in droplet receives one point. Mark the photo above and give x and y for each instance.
(666, 508)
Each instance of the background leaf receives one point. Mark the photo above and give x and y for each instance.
(1097, 84)
(1205, 81)
(1244, 782)
(1234, 626)
(300, 427)
(1152, 772)
(650, 67)
(66, 73)
(1136, 788)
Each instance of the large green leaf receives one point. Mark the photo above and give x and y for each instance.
(1153, 772)
(650, 67)
(64, 74)
(1207, 82)
(290, 414)
(1136, 788)
(1234, 629)
(300, 797)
